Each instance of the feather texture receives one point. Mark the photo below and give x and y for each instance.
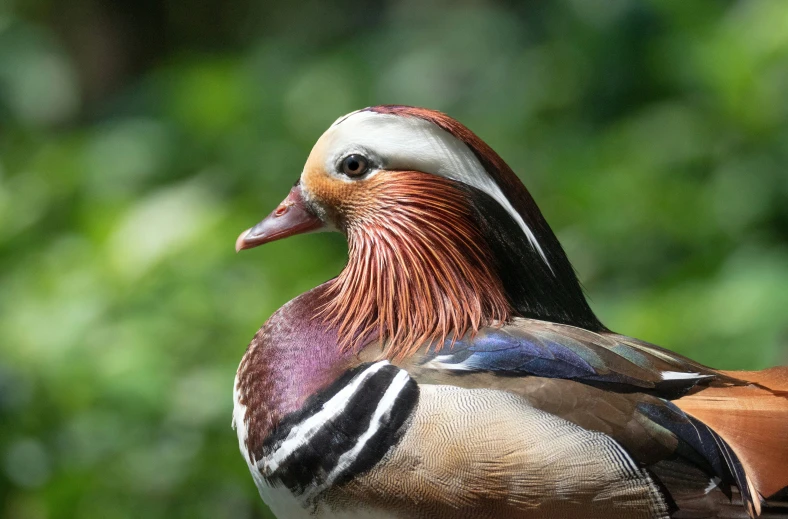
(504, 395)
(417, 271)
(619, 363)
(486, 454)
(538, 276)
(544, 349)
(754, 420)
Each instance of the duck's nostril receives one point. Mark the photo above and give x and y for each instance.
(281, 210)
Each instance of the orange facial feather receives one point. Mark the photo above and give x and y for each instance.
(418, 270)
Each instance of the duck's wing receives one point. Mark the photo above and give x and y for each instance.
(529, 347)
(377, 444)
(510, 424)
(607, 383)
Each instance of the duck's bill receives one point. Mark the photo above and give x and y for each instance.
(291, 217)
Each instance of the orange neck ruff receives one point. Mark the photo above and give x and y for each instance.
(419, 270)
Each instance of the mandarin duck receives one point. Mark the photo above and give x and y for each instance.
(453, 368)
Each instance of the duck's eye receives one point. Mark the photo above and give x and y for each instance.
(354, 165)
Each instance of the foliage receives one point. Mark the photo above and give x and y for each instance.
(137, 139)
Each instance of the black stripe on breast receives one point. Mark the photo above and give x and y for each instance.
(387, 436)
(339, 444)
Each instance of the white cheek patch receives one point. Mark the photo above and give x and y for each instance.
(414, 144)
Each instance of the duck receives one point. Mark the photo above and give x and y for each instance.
(454, 368)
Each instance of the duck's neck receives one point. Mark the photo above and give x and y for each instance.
(540, 285)
(418, 271)
(431, 259)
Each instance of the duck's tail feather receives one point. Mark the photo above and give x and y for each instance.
(753, 420)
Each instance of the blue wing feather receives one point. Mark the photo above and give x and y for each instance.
(538, 348)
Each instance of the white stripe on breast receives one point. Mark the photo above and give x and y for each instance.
(385, 405)
(303, 432)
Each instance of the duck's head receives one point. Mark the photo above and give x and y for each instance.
(443, 236)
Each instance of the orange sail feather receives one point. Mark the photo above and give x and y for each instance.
(753, 419)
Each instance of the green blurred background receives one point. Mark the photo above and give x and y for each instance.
(137, 139)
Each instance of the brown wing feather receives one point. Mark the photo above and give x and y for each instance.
(753, 420)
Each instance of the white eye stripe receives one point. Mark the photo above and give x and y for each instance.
(342, 118)
(411, 143)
